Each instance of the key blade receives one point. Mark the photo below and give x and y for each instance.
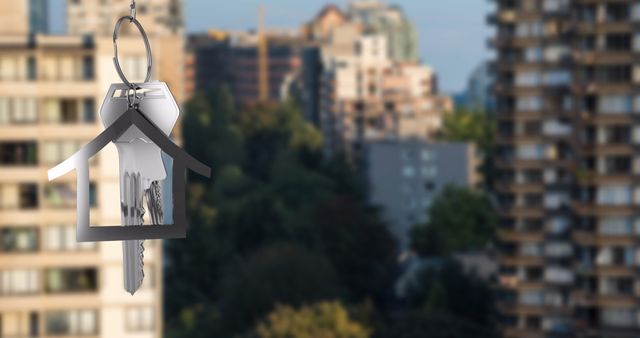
(134, 250)
(133, 265)
(132, 215)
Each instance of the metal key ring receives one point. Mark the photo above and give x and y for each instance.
(147, 46)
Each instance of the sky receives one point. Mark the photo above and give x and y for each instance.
(453, 33)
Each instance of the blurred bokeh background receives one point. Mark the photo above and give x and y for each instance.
(459, 168)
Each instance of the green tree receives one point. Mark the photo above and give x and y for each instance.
(479, 128)
(321, 320)
(275, 218)
(280, 274)
(469, 126)
(459, 219)
(422, 324)
(448, 289)
(358, 244)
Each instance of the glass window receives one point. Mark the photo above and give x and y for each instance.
(18, 239)
(529, 103)
(63, 238)
(88, 110)
(18, 110)
(409, 171)
(528, 79)
(613, 225)
(18, 153)
(18, 282)
(18, 196)
(140, 319)
(71, 323)
(619, 317)
(14, 324)
(31, 68)
(557, 78)
(614, 104)
(429, 171)
(71, 280)
(533, 54)
(614, 195)
(532, 297)
(87, 68)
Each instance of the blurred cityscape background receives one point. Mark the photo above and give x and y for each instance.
(353, 194)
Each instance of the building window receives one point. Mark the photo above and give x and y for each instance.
(528, 79)
(427, 155)
(619, 317)
(55, 152)
(72, 323)
(614, 195)
(88, 110)
(18, 282)
(18, 111)
(529, 103)
(71, 280)
(63, 238)
(409, 171)
(68, 111)
(32, 72)
(18, 324)
(429, 186)
(63, 195)
(18, 153)
(532, 298)
(18, 240)
(140, 319)
(429, 172)
(87, 68)
(614, 104)
(18, 196)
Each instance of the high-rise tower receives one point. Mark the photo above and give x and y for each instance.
(567, 105)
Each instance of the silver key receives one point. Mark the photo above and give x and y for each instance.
(141, 166)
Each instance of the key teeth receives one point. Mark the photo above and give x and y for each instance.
(141, 263)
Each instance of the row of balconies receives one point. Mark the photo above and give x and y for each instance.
(24, 282)
(511, 12)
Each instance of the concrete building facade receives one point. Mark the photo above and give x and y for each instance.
(232, 59)
(404, 176)
(366, 96)
(567, 105)
(51, 88)
(97, 17)
(376, 17)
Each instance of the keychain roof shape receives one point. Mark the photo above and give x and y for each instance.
(80, 162)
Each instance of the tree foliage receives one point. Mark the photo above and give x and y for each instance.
(280, 274)
(448, 289)
(321, 320)
(277, 223)
(460, 219)
(422, 324)
(469, 126)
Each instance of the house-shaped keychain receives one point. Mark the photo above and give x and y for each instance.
(80, 162)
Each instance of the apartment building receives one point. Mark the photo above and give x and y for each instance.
(404, 177)
(232, 59)
(376, 17)
(567, 104)
(366, 96)
(51, 88)
(97, 17)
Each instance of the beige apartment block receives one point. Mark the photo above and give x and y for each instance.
(51, 88)
(14, 17)
(365, 96)
(160, 17)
